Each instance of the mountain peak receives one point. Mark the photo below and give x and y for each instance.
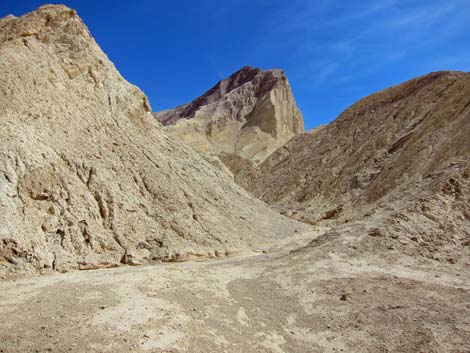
(49, 23)
(250, 114)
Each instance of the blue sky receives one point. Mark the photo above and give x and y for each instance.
(334, 52)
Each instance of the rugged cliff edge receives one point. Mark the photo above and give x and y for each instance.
(242, 119)
(88, 178)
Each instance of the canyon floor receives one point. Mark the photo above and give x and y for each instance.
(333, 294)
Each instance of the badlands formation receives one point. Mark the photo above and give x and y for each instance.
(398, 159)
(88, 177)
(370, 254)
(240, 121)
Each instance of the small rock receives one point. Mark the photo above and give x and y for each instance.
(375, 232)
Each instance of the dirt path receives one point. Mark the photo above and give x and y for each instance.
(317, 299)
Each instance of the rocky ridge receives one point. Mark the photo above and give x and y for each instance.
(88, 177)
(397, 161)
(241, 120)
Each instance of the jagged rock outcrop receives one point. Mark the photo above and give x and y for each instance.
(398, 159)
(88, 178)
(248, 115)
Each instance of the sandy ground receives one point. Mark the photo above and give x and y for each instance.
(335, 295)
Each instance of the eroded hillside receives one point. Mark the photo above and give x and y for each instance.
(397, 160)
(88, 178)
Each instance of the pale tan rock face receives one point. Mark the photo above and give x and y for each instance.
(250, 114)
(401, 157)
(88, 178)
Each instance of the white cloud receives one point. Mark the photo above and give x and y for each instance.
(334, 39)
